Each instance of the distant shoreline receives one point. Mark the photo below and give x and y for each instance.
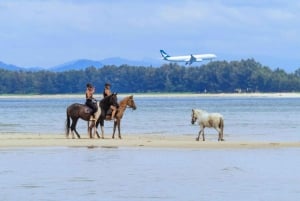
(263, 95)
(133, 141)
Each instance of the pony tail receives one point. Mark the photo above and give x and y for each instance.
(221, 124)
(67, 129)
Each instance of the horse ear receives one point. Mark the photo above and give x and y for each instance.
(131, 96)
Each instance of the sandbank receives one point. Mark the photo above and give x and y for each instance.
(134, 141)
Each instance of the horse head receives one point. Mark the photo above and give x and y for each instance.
(131, 103)
(194, 116)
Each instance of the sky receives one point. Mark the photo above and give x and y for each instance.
(47, 33)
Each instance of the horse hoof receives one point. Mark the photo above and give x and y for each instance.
(197, 139)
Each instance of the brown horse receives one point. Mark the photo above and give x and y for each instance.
(126, 102)
(80, 111)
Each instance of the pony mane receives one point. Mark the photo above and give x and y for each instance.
(198, 111)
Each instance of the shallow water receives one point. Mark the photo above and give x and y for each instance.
(249, 118)
(149, 174)
(155, 174)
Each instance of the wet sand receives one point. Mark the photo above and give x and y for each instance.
(140, 141)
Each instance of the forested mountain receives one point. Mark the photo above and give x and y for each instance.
(219, 76)
(82, 64)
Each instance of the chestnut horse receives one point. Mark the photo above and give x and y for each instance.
(126, 102)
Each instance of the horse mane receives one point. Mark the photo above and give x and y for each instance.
(123, 105)
(197, 111)
(123, 102)
(106, 98)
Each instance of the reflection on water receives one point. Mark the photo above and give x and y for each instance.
(149, 174)
(249, 118)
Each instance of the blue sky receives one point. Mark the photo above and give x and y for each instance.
(48, 33)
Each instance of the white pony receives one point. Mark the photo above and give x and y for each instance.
(209, 120)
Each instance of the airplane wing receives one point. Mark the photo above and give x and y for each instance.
(191, 60)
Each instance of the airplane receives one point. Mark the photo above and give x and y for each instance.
(188, 59)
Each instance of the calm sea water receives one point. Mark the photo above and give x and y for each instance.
(128, 174)
(75, 174)
(249, 118)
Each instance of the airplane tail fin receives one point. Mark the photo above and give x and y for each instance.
(164, 54)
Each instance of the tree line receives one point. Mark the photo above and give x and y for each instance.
(214, 77)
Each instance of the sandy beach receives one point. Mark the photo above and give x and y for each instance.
(141, 141)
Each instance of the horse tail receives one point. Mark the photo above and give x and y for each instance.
(67, 125)
(221, 124)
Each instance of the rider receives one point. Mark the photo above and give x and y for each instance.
(90, 101)
(107, 92)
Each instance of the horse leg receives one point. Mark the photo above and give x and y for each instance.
(73, 128)
(90, 129)
(102, 132)
(119, 128)
(220, 135)
(198, 138)
(96, 128)
(114, 130)
(199, 134)
(203, 134)
(101, 121)
(222, 129)
(76, 134)
(219, 132)
(98, 136)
